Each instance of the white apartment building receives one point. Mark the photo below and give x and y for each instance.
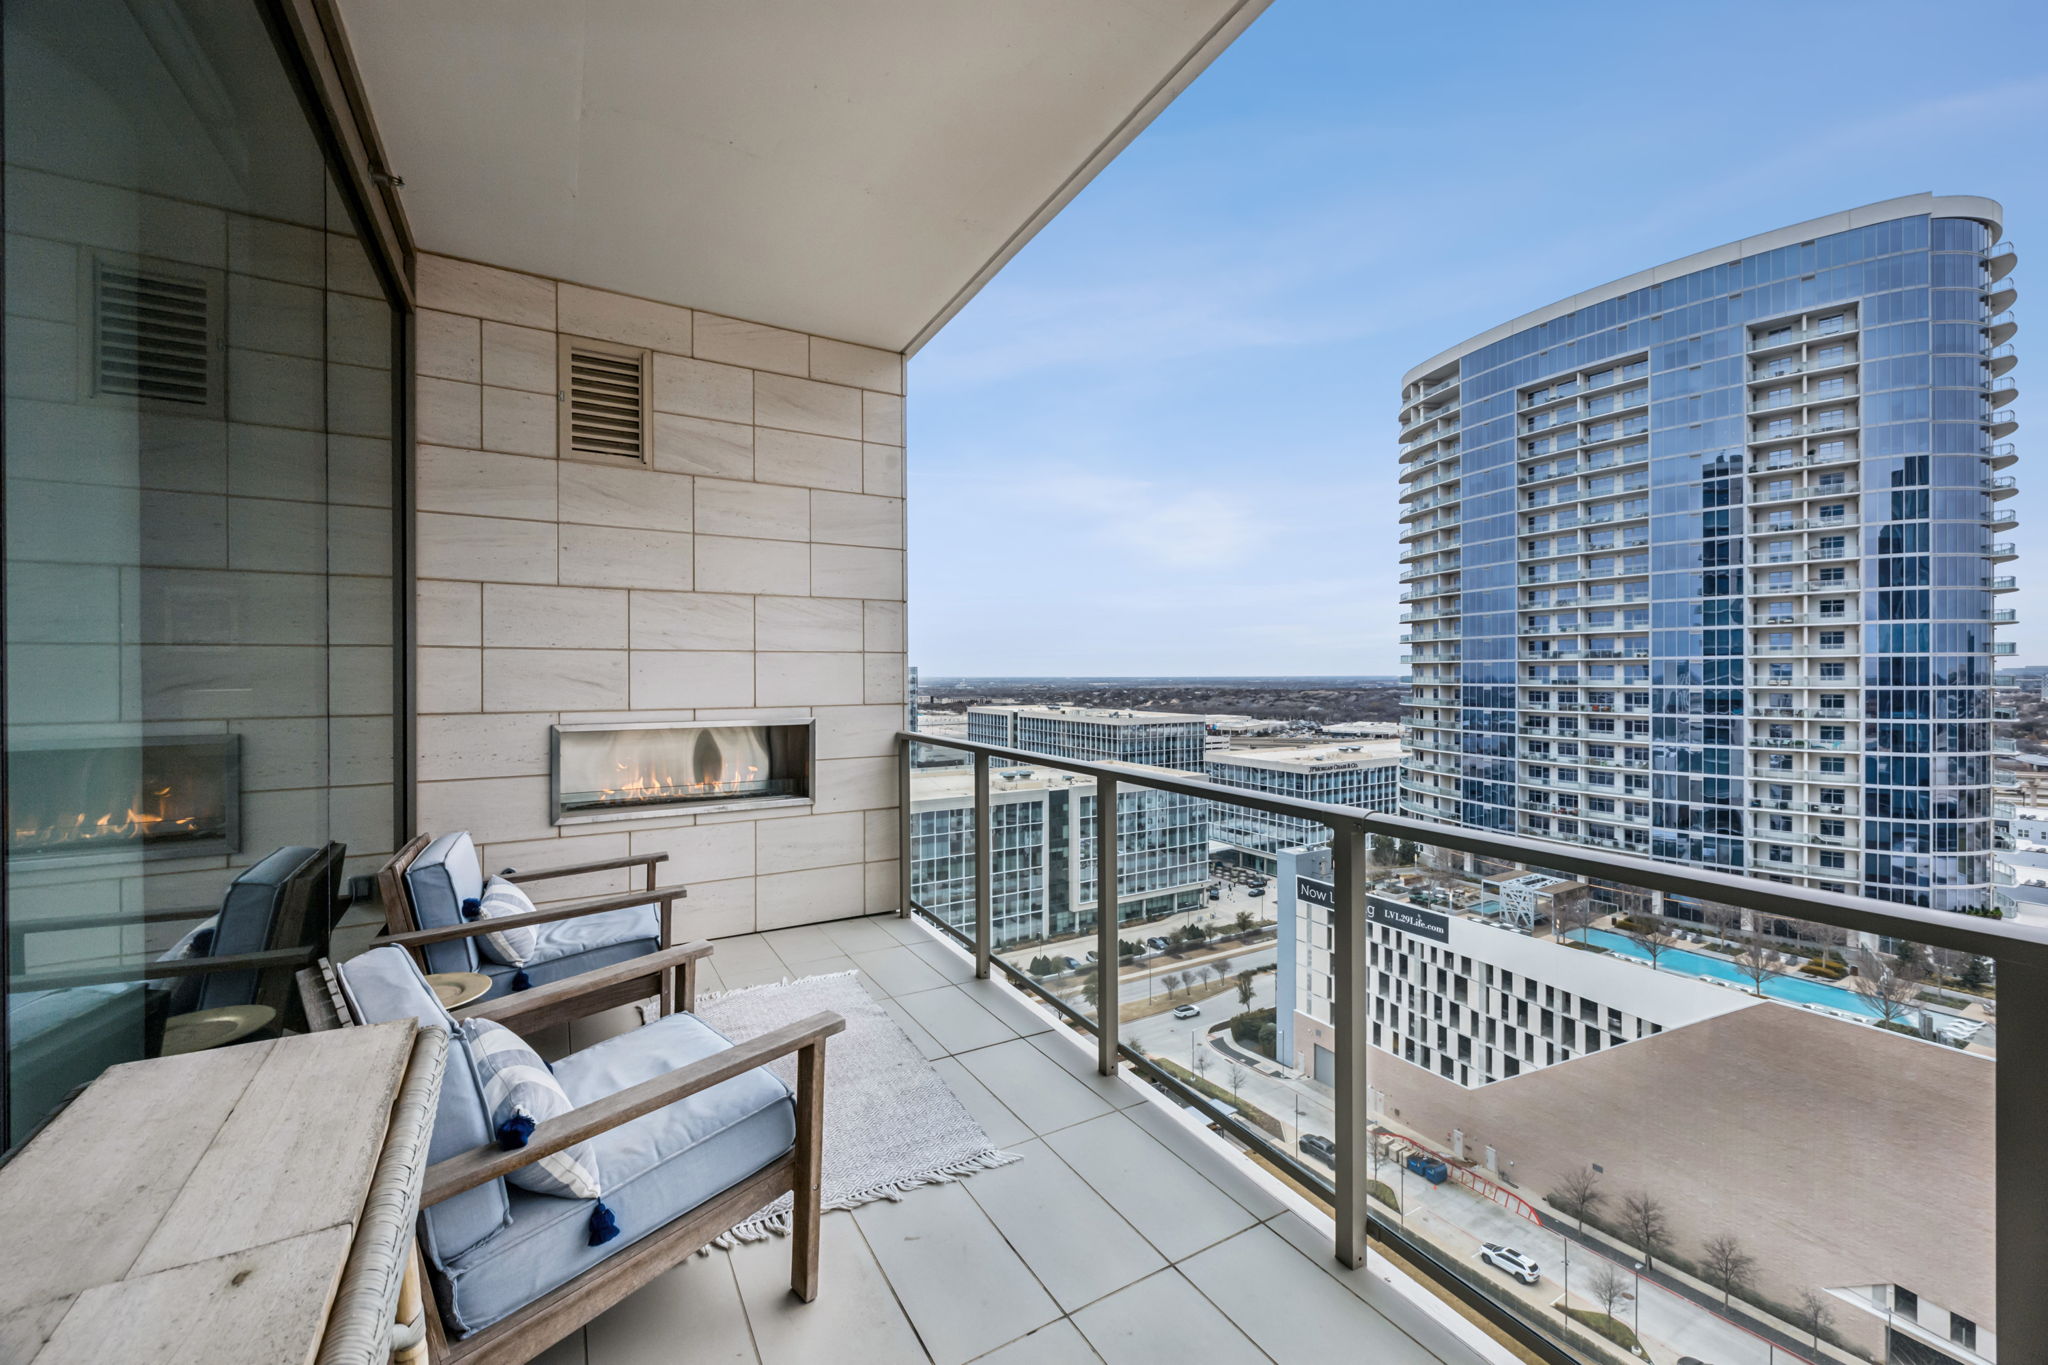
(1463, 994)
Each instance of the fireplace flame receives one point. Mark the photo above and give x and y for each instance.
(160, 820)
(651, 780)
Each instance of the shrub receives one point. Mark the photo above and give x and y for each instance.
(1244, 1028)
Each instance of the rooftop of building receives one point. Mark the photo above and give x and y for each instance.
(1094, 715)
(1883, 211)
(1315, 757)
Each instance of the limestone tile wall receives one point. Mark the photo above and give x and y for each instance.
(221, 570)
(755, 571)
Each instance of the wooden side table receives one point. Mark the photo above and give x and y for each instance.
(458, 988)
(254, 1203)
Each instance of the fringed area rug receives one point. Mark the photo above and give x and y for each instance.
(891, 1122)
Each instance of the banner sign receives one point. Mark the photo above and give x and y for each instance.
(1315, 892)
(1409, 919)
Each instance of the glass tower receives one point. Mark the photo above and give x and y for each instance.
(1704, 564)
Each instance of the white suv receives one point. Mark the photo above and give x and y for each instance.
(1510, 1260)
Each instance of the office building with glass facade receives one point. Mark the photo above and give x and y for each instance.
(1705, 564)
(1043, 826)
(1160, 738)
(1364, 774)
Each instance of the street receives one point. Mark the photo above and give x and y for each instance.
(1458, 1220)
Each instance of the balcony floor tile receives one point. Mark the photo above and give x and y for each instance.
(952, 1017)
(1125, 1234)
(1172, 1204)
(965, 1289)
(1056, 1343)
(1164, 1320)
(1079, 1247)
(1035, 1087)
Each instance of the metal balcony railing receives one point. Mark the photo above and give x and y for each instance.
(1346, 1178)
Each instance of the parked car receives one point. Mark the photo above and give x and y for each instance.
(1215, 893)
(1429, 1168)
(1156, 944)
(1510, 1260)
(1072, 965)
(1319, 1147)
(1186, 1011)
(1256, 891)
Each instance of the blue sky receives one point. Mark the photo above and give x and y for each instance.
(1162, 440)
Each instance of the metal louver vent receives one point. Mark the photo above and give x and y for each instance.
(604, 401)
(153, 333)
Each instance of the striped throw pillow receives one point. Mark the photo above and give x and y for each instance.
(521, 1092)
(511, 947)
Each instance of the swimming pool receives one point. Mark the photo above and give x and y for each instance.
(1797, 990)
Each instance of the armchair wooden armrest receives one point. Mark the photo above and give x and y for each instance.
(48, 924)
(268, 960)
(647, 860)
(663, 896)
(806, 1037)
(584, 995)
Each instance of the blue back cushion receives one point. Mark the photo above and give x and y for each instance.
(385, 985)
(444, 876)
(248, 913)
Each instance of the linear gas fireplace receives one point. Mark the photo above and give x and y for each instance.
(641, 771)
(168, 797)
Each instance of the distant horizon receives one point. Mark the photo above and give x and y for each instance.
(1246, 678)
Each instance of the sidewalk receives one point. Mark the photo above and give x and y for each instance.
(1779, 1335)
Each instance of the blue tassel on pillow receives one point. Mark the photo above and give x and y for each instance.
(520, 981)
(472, 908)
(513, 1132)
(603, 1226)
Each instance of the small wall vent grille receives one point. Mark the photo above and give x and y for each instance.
(604, 398)
(155, 333)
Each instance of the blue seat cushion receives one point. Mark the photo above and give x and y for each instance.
(385, 985)
(655, 1168)
(569, 947)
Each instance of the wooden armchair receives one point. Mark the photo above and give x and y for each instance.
(778, 1149)
(426, 882)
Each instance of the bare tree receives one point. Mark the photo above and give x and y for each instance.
(1726, 1265)
(1944, 964)
(1579, 1193)
(1571, 914)
(1815, 1314)
(1170, 980)
(1220, 968)
(1757, 962)
(1090, 983)
(1725, 920)
(1654, 937)
(1202, 1062)
(1831, 939)
(1644, 1222)
(1244, 988)
(1235, 1072)
(1607, 1286)
(1890, 988)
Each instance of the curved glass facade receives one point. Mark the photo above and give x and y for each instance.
(1709, 570)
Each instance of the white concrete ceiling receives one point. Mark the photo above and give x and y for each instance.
(853, 168)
